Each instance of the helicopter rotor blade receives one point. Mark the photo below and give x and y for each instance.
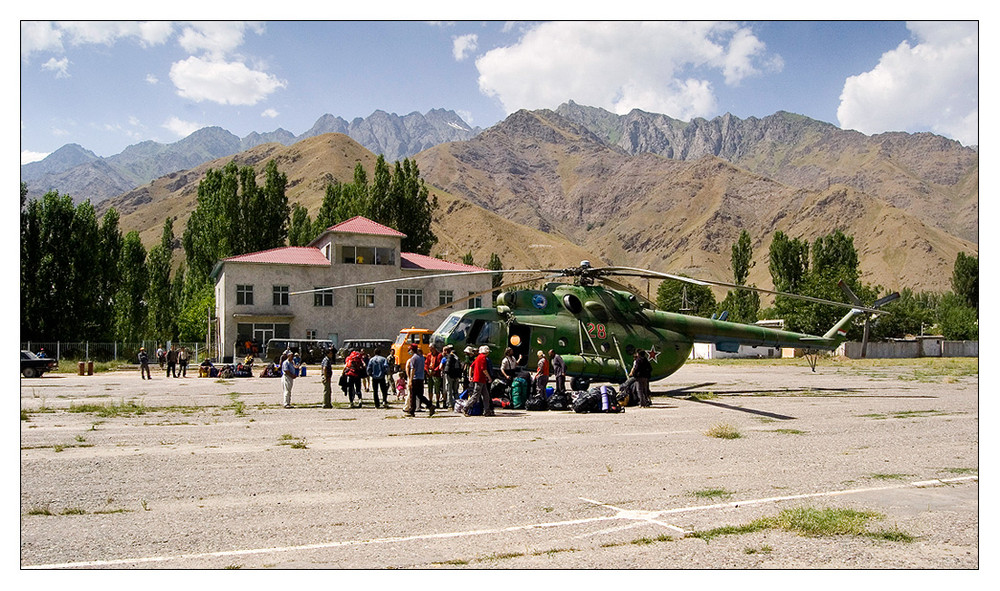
(418, 277)
(476, 295)
(656, 274)
(623, 287)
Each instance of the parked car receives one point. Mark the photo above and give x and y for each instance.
(33, 366)
(367, 346)
(421, 337)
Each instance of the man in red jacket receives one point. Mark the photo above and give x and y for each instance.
(481, 383)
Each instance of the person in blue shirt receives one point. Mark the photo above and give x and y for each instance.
(378, 371)
(415, 391)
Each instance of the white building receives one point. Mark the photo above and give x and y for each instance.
(253, 298)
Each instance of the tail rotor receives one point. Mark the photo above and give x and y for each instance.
(868, 316)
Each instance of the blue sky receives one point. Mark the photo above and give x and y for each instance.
(106, 85)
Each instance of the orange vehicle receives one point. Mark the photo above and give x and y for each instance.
(420, 337)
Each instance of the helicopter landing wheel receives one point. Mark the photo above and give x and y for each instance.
(579, 383)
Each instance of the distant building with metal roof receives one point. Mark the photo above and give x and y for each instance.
(254, 301)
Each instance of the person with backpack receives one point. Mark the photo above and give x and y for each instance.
(354, 369)
(451, 374)
(642, 370)
(378, 371)
(433, 376)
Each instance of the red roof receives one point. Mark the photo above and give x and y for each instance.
(412, 260)
(288, 255)
(362, 225)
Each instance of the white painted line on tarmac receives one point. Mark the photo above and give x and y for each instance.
(638, 517)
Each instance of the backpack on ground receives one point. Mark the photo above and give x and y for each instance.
(518, 392)
(536, 403)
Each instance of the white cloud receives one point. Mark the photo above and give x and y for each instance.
(180, 127)
(60, 67)
(227, 83)
(269, 113)
(656, 66)
(27, 156)
(217, 38)
(932, 85)
(39, 36)
(463, 46)
(152, 79)
(51, 36)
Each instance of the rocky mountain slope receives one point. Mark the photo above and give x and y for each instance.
(931, 177)
(84, 175)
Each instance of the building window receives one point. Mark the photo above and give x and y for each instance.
(476, 302)
(409, 298)
(244, 295)
(323, 298)
(365, 297)
(367, 255)
(280, 295)
(446, 296)
(311, 334)
(327, 251)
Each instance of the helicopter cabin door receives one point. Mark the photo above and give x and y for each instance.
(519, 339)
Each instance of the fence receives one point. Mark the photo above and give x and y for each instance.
(126, 351)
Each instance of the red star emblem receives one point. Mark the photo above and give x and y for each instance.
(653, 353)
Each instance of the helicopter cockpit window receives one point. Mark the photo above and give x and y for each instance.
(446, 326)
(460, 330)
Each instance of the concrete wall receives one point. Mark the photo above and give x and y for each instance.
(909, 349)
(709, 351)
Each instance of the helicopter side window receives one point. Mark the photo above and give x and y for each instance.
(481, 332)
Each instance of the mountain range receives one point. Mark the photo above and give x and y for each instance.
(553, 187)
(78, 172)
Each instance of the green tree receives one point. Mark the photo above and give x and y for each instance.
(130, 298)
(700, 301)
(301, 231)
(788, 261)
(965, 279)
(467, 259)
(743, 305)
(161, 297)
(107, 275)
(956, 320)
(908, 315)
(496, 279)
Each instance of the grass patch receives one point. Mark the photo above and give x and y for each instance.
(788, 431)
(40, 511)
(237, 405)
(111, 511)
(500, 556)
(554, 551)
(648, 541)
(72, 511)
(765, 549)
(959, 470)
(25, 416)
(431, 433)
(904, 414)
(880, 476)
(292, 441)
(122, 409)
(453, 562)
(712, 493)
(702, 395)
(724, 431)
(811, 522)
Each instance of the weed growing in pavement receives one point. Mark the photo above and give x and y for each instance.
(765, 549)
(702, 395)
(72, 511)
(648, 541)
(880, 476)
(122, 409)
(811, 522)
(40, 511)
(788, 431)
(24, 415)
(292, 441)
(500, 556)
(724, 431)
(959, 470)
(145, 505)
(454, 562)
(904, 414)
(712, 493)
(554, 551)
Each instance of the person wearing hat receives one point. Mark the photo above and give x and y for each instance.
(481, 378)
(144, 364)
(470, 356)
(415, 392)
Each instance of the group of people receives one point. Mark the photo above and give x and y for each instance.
(175, 359)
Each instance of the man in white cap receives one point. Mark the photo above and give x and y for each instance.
(481, 383)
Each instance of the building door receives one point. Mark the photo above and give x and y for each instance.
(263, 333)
